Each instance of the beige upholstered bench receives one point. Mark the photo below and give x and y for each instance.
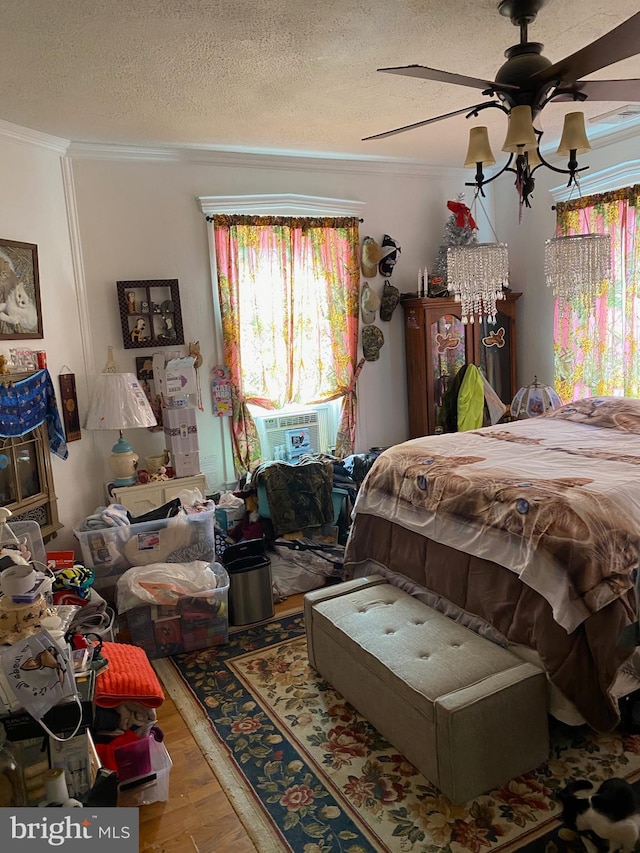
(468, 714)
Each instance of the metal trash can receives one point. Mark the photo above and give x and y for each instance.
(250, 584)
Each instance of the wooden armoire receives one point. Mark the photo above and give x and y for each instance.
(438, 344)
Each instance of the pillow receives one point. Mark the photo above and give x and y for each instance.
(619, 413)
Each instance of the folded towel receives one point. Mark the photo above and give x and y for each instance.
(129, 678)
(117, 515)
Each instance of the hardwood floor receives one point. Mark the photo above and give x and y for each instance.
(198, 817)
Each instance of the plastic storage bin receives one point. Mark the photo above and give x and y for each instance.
(113, 550)
(152, 787)
(29, 533)
(196, 621)
(337, 497)
(250, 583)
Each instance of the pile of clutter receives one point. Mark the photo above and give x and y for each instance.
(52, 625)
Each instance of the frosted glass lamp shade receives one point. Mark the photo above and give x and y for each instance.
(479, 150)
(534, 399)
(574, 135)
(521, 136)
(119, 402)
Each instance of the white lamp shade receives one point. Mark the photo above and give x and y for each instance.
(119, 402)
(534, 399)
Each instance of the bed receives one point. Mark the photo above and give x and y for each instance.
(528, 532)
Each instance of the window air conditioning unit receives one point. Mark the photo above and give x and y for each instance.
(277, 430)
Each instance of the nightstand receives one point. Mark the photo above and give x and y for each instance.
(143, 497)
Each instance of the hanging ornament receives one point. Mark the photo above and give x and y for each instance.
(194, 351)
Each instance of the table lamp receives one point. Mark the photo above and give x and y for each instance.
(119, 402)
(534, 399)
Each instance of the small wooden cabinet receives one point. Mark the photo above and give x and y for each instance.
(26, 480)
(438, 344)
(150, 313)
(142, 498)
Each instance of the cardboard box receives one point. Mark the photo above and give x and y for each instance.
(196, 622)
(57, 560)
(180, 430)
(186, 464)
(226, 518)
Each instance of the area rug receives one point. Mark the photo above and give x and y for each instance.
(307, 774)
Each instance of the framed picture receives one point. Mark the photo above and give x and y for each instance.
(20, 312)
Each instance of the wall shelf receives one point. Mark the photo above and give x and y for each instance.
(150, 313)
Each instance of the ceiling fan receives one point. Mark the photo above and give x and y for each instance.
(529, 79)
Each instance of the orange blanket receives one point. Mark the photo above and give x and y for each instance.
(129, 678)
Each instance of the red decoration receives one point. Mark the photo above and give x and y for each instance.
(463, 214)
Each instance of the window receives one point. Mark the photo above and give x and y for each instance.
(288, 290)
(597, 353)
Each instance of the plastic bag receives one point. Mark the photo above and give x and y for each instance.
(191, 497)
(165, 583)
(293, 572)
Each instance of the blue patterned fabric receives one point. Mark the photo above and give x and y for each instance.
(26, 404)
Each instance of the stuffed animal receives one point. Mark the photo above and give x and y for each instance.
(137, 333)
(610, 814)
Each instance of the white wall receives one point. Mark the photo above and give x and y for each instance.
(141, 220)
(526, 247)
(33, 210)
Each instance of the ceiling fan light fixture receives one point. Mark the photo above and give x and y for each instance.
(521, 135)
(524, 85)
(574, 135)
(479, 150)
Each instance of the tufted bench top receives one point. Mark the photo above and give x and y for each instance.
(466, 712)
(428, 654)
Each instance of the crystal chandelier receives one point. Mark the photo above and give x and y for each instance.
(577, 265)
(477, 274)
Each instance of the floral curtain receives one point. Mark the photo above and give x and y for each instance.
(288, 290)
(596, 353)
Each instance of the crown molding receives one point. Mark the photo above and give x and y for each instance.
(32, 138)
(288, 161)
(613, 178)
(280, 204)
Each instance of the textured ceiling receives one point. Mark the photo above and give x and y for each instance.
(285, 75)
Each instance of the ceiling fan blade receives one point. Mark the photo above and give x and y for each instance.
(427, 121)
(603, 90)
(620, 43)
(425, 73)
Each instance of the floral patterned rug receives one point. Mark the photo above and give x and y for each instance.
(307, 774)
